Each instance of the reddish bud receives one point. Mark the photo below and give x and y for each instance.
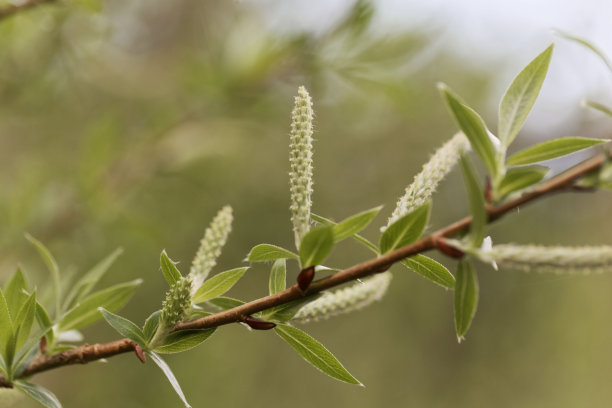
(43, 345)
(257, 324)
(305, 278)
(488, 191)
(140, 354)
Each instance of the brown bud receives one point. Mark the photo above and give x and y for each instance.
(43, 345)
(140, 354)
(488, 191)
(446, 249)
(305, 278)
(257, 324)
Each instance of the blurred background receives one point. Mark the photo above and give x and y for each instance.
(130, 123)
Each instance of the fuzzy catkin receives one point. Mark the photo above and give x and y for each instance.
(176, 304)
(433, 172)
(211, 245)
(300, 160)
(345, 300)
(558, 259)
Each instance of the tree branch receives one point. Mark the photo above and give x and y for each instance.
(10, 10)
(86, 353)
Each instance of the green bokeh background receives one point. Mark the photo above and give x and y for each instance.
(131, 123)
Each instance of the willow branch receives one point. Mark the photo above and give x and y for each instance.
(86, 353)
(10, 10)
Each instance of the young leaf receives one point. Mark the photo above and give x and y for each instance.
(405, 230)
(473, 127)
(171, 273)
(315, 353)
(168, 373)
(49, 260)
(278, 279)
(225, 303)
(356, 237)
(518, 178)
(430, 269)
(316, 246)
(183, 340)
(86, 312)
(477, 204)
(352, 225)
(150, 326)
(124, 327)
(6, 322)
(521, 95)
(218, 285)
(84, 285)
(267, 252)
(588, 45)
(25, 318)
(596, 105)
(466, 297)
(552, 149)
(3, 368)
(39, 394)
(15, 291)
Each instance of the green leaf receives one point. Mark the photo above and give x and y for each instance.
(3, 368)
(352, 225)
(405, 230)
(124, 327)
(518, 178)
(49, 260)
(183, 340)
(473, 127)
(86, 312)
(225, 303)
(552, 149)
(15, 291)
(278, 277)
(466, 297)
(600, 107)
(6, 322)
(168, 373)
(286, 311)
(356, 237)
(477, 203)
(218, 285)
(150, 326)
(316, 246)
(588, 45)
(171, 273)
(42, 317)
(268, 252)
(521, 95)
(85, 285)
(39, 394)
(315, 353)
(25, 319)
(29, 351)
(430, 269)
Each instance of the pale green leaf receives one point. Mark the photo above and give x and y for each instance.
(3, 368)
(51, 264)
(552, 149)
(352, 225)
(225, 303)
(218, 285)
(86, 312)
(39, 394)
(315, 353)
(466, 297)
(183, 340)
(124, 327)
(316, 245)
(363, 241)
(430, 269)
(518, 178)
(278, 277)
(170, 375)
(588, 45)
(6, 322)
(150, 326)
(42, 317)
(521, 95)
(169, 269)
(268, 252)
(473, 127)
(477, 203)
(405, 230)
(596, 105)
(25, 319)
(15, 291)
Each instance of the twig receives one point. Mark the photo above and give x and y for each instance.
(10, 10)
(86, 353)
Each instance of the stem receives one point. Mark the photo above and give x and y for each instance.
(86, 353)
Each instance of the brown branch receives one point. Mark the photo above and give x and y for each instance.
(10, 10)
(86, 353)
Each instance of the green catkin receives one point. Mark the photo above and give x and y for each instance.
(300, 160)
(174, 308)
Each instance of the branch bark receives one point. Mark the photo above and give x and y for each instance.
(11, 10)
(86, 353)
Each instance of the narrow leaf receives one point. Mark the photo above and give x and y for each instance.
(51, 264)
(183, 340)
(430, 269)
(466, 297)
(15, 291)
(521, 95)
(588, 45)
(150, 326)
(39, 394)
(225, 303)
(278, 277)
(6, 322)
(315, 353)
(25, 319)
(600, 107)
(316, 246)
(352, 225)
(552, 149)
(124, 327)
(268, 252)
(356, 237)
(218, 285)
(169, 269)
(477, 203)
(405, 230)
(518, 178)
(86, 312)
(170, 375)
(42, 317)
(473, 127)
